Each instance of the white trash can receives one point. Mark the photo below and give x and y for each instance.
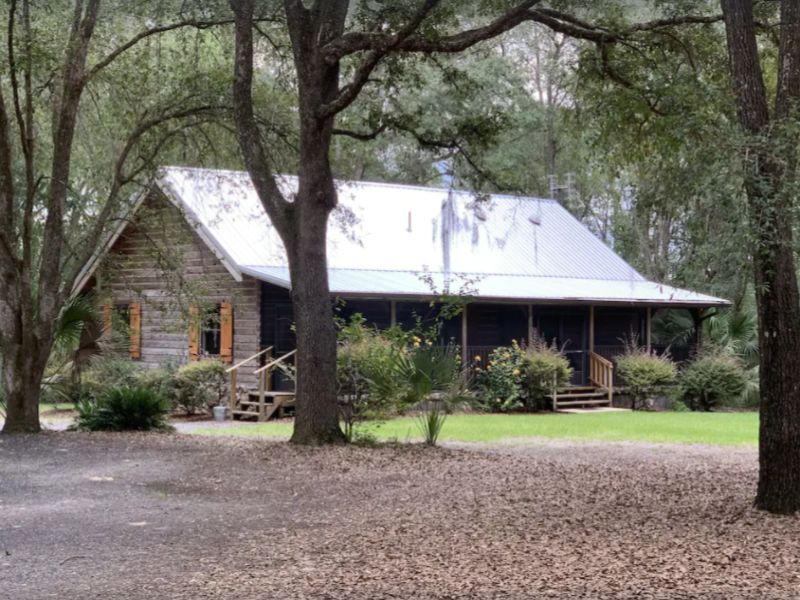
(219, 413)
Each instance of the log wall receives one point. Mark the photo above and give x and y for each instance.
(162, 263)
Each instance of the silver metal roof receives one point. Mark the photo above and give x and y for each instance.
(396, 240)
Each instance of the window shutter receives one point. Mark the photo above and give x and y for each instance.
(135, 312)
(106, 312)
(194, 334)
(226, 332)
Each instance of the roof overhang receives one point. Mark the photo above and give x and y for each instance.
(389, 285)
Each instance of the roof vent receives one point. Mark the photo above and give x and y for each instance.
(480, 214)
(408, 229)
(535, 219)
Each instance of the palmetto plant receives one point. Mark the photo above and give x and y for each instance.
(75, 317)
(735, 332)
(436, 381)
(79, 314)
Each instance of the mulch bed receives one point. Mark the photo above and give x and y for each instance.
(169, 516)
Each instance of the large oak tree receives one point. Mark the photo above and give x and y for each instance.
(329, 38)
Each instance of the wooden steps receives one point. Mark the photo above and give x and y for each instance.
(580, 396)
(275, 402)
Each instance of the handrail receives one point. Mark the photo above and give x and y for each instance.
(247, 360)
(274, 362)
(601, 373)
(601, 359)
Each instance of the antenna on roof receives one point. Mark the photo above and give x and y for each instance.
(562, 192)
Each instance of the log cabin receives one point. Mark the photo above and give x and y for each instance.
(196, 269)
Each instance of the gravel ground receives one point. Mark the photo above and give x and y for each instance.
(172, 516)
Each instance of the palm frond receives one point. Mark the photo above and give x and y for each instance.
(76, 315)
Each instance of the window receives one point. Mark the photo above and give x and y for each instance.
(210, 332)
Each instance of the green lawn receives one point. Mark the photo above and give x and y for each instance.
(728, 429)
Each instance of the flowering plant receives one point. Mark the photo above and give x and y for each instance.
(499, 380)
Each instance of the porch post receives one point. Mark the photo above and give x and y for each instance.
(530, 324)
(648, 329)
(591, 328)
(393, 312)
(464, 335)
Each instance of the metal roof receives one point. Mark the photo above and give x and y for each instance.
(387, 239)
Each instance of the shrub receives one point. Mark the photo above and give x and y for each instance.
(645, 374)
(545, 367)
(500, 381)
(161, 380)
(105, 373)
(369, 383)
(124, 409)
(200, 385)
(515, 377)
(712, 380)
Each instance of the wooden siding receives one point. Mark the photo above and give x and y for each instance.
(161, 263)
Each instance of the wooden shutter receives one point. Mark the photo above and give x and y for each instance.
(107, 312)
(135, 315)
(194, 334)
(226, 332)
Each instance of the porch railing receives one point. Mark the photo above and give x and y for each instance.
(233, 372)
(264, 383)
(601, 373)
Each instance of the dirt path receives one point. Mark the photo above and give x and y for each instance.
(170, 516)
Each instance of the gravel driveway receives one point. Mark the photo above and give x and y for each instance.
(171, 516)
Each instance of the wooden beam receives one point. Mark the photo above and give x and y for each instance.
(393, 312)
(464, 335)
(530, 324)
(591, 328)
(648, 329)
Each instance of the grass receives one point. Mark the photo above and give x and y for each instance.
(724, 429)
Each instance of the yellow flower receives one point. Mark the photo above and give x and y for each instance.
(506, 355)
(430, 343)
(416, 344)
(478, 358)
(515, 372)
(489, 368)
(477, 369)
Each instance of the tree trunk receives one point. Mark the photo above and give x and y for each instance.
(22, 379)
(770, 162)
(317, 414)
(778, 305)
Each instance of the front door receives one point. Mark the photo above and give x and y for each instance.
(567, 331)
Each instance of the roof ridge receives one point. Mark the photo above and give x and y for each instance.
(389, 184)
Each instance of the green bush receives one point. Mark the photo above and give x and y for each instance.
(515, 377)
(712, 380)
(105, 373)
(161, 380)
(380, 373)
(124, 409)
(500, 380)
(369, 384)
(645, 374)
(545, 367)
(200, 385)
